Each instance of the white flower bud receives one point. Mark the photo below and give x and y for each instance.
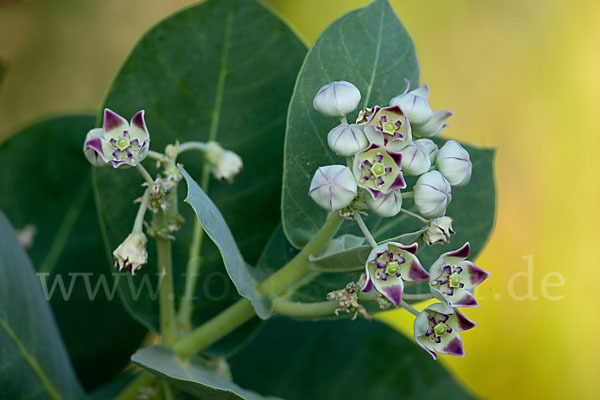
(454, 163)
(333, 187)
(438, 231)
(434, 125)
(347, 140)
(337, 99)
(224, 164)
(95, 135)
(386, 206)
(415, 105)
(415, 160)
(131, 255)
(432, 194)
(430, 148)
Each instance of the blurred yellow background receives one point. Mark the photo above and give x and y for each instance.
(520, 75)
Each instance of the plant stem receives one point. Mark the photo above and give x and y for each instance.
(132, 391)
(166, 293)
(194, 262)
(304, 310)
(139, 218)
(410, 308)
(242, 311)
(423, 296)
(364, 229)
(156, 155)
(412, 214)
(144, 172)
(198, 146)
(407, 195)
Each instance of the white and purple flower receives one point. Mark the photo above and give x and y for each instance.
(453, 278)
(121, 143)
(378, 170)
(389, 127)
(436, 330)
(388, 266)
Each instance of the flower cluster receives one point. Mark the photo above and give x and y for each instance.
(385, 144)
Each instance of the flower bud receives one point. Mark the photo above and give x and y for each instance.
(430, 148)
(131, 255)
(333, 187)
(432, 194)
(224, 164)
(438, 231)
(337, 99)
(347, 140)
(386, 206)
(434, 125)
(93, 142)
(415, 105)
(414, 159)
(454, 163)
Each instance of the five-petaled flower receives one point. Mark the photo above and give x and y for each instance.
(378, 170)
(436, 330)
(453, 278)
(388, 265)
(388, 126)
(121, 143)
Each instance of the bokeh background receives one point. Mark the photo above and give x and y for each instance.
(520, 75)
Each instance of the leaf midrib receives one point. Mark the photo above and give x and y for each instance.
(28, 357)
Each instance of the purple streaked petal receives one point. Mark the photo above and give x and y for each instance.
(112, 121)
(417, 272)
(464, 324)
(399, 183)
(138, 121)
(397, 157)
(476, 274)
(455, 348)
(466, 301)
(463, 252)
(96, 145)
(393, 293)
(368, 285)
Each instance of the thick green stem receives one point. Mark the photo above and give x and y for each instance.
(166, 293)
(304, 310)
(213, 330)
(242, 311)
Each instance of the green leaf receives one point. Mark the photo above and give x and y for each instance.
(341, 360)
(34, 361)
(45, 183)
(190, 375)
(222, 70)
(216, 228)
(368, 47)
(353, 258)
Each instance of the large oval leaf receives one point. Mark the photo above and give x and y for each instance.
(34, 361)
(340, 360)
(45, 183)
(222, 70)
(368, 47)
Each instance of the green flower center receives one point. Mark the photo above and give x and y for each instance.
(392, 267)
(440, 329)
(123, 143)
(378, 169)
(454, 279)
(389, 127)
